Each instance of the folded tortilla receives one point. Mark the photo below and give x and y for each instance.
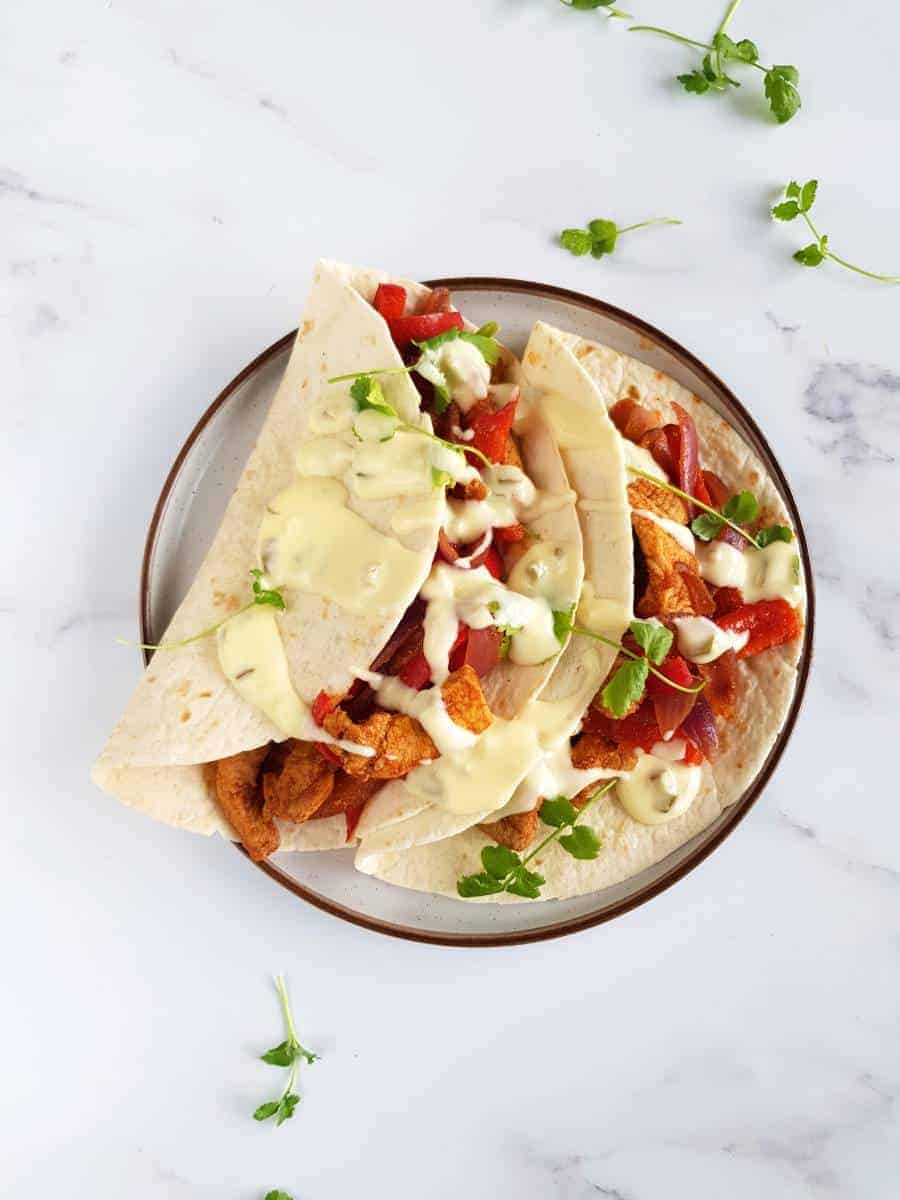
(573, 375)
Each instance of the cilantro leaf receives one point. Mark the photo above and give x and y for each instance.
(262, 595)
(278, 1194)
(808, 194)
(741, 508)
(558, 811)
(562, 622)
(286, 1106)
(367, 393)
(787, 210)
(792, 191)
(282, 1055)
(269, 1109)
(811, 255)
(470, 886)
(780, 86)
(774, 533)
(587, 5)
(499, 861)
(694, 82)
(747, 51)
(626, 687)
(439, 478)
(485, 343)
(604, 235)
(582, 842)
(527, 884)
(576, 241)
(655, 640)
(707, 526)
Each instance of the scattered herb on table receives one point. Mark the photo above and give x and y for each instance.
(507, 871)
(799, 199)
(278, 1194)
(779, 82)
(264, 596)
(593, 5)
(286, 1054)
(600, 236)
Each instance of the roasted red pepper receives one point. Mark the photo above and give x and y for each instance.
(321, 707)
(491, 429)
(390, 300)
(769, 623)
(509, 533)
(639, 729)
(693, 757)
(727, 599)
(493, 563)
(426, 325)
(674, 668)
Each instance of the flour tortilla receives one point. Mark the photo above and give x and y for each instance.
(768, 680)
(184, 714)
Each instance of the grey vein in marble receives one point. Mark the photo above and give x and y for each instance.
(858, 407)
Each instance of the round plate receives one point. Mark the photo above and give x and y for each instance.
(188, 513)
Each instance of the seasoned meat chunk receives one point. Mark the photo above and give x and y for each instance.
(517, 832)
(669, 590)
(301, 787)
(240, 799)
(644, 494)
(399, 742)
(348, 793)
(594, 750)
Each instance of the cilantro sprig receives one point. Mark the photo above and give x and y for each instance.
(278, 1194)
(600, 236)
(593, 5)
(264, 596)
(286, 1054)
(626, 686)
(507, 871)
(798, 200)
(367, 393)
(428, 363)
(779, 82)
(736, 510)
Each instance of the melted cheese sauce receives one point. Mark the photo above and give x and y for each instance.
(467, 372)
(702, 641)
(768, 574)
(426, 707)
(680, 533)
(310, 540)
(550, 571)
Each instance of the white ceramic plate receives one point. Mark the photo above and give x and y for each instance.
(188, 513)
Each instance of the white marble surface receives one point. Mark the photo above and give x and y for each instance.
(168, 172)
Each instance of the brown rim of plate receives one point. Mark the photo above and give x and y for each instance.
(735, 814)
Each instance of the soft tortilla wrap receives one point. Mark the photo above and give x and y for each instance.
(768, 680)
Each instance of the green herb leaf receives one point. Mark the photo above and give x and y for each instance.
(280, 1056)
(774, 533)
(440, 479)
(429, 368)
(562, 622)
(811, 255)
(626, 687)
(808, 195)
(558, 811)
(781, 91)
(787, 210)
(576, 241)
(278, 1194)
(792, 191)
(489, 329)
(499, 861)
(603, 236)
(587, 5)
(269, 1109)
(262, 595)
(286, 1106)
(527, 884)
(582, 842)
(707, 526)
(366, 392)
(747, 51)
(694, 82)
(478, 885)
(655, 640)
(741, 508)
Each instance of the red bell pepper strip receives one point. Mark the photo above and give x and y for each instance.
(321, 707)
(769, 623)
(491, 429)
(492, 562)
(693, 756)
(390, 300)
(509, 533)
(674, 668)
(416, 673)
(426, 325)
(457, 655)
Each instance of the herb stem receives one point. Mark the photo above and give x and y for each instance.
(554, 833)
(286, 1008)
(197, 637)
(732, 9)
(860, 271)
(380, 371)
(667, 33)
(679, 687)
(670, 487)
(456, 446)
(652, 221)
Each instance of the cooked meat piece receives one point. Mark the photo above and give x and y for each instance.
(464, 700)
(348, 792)
(668, 594)
(301, 787)
(475, 489)
(511, 455)
(594, 750)
(240, 799)
(517, 832)
(644, 494)
(400, 743)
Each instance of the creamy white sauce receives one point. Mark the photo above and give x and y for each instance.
(310, 540)
(545, 503)
(721, 564)
(552, 775)
(642, 459)
(469, 519)
(510, 481)
(323, 456)
(549, 570)
(671, 751)
(680, 533)
(702, 641)
(601, 614)
(768, 574)
(657, 791)
(418, 514)
(370, 425)
(468, 373)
